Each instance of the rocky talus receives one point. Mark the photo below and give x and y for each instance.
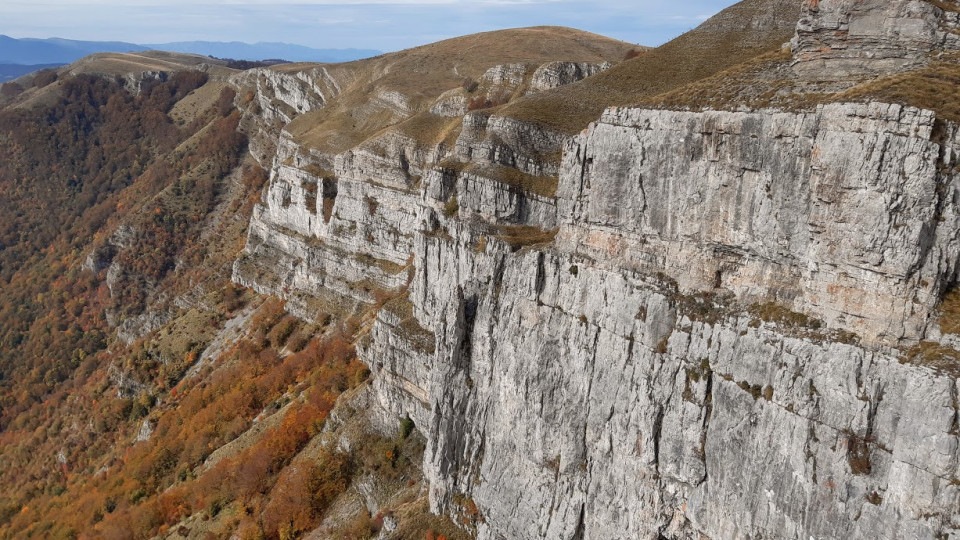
(698, 324)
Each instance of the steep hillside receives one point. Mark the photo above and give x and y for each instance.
(746, 257)
(332, 108)
(733, 36)
(144, 394)
(138, 387)
(526, 284)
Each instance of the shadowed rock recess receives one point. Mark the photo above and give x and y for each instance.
(675, 324)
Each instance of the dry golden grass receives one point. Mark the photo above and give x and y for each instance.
(782, 316)
(934, 355)
(764, 81)
(946, 6)
(421, 74)
(936, 87)
(737, 34)
(520, 236)
(126, 63)
(196, 102)
(950, 313)
(429, 129)
(545, 186)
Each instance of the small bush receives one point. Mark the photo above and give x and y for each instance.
(233, 298)
(281, 332)
(310, 197)
(469, 84)
(406, 427)
(858, 455)
(488, 101)
(452, 207)
(225, 101)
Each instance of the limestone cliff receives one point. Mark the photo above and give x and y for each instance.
(717, 324)
(844, 38)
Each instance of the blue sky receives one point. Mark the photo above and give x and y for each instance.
(387, 25)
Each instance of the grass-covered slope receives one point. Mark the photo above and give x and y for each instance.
(733, 36)
(418, 76)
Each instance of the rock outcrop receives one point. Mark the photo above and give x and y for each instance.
(849, 38)
(846, 214)
(698, 324)
(273, 98)
(557, 74)
(574, 388)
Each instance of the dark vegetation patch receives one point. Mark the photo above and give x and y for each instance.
(520, 236)
(858, 454)
(100, 153)
(250, 64)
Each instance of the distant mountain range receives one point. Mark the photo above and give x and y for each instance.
(8, 72)
(21, 56)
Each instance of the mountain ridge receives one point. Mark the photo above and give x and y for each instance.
(528, 284)
(34, 51)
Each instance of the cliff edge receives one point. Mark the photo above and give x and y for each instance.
(682, 322)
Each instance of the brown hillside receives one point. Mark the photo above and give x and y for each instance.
(38, 90)
(733, 36)
(421, 74)
(124, 63)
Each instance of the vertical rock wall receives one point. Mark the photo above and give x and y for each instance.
(699, 329)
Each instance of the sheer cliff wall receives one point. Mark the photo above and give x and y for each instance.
(699, 324)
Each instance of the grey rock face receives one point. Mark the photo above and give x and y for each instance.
(844, 38)
(338, 236)
(598, 404)
(629, 377)
(270, 99)
(134, 81)
(844, 214)
(100, 258)
(608, 386)
(487, 138)
(146, 431)
(556, 74)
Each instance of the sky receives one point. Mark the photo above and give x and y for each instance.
(386, 25)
